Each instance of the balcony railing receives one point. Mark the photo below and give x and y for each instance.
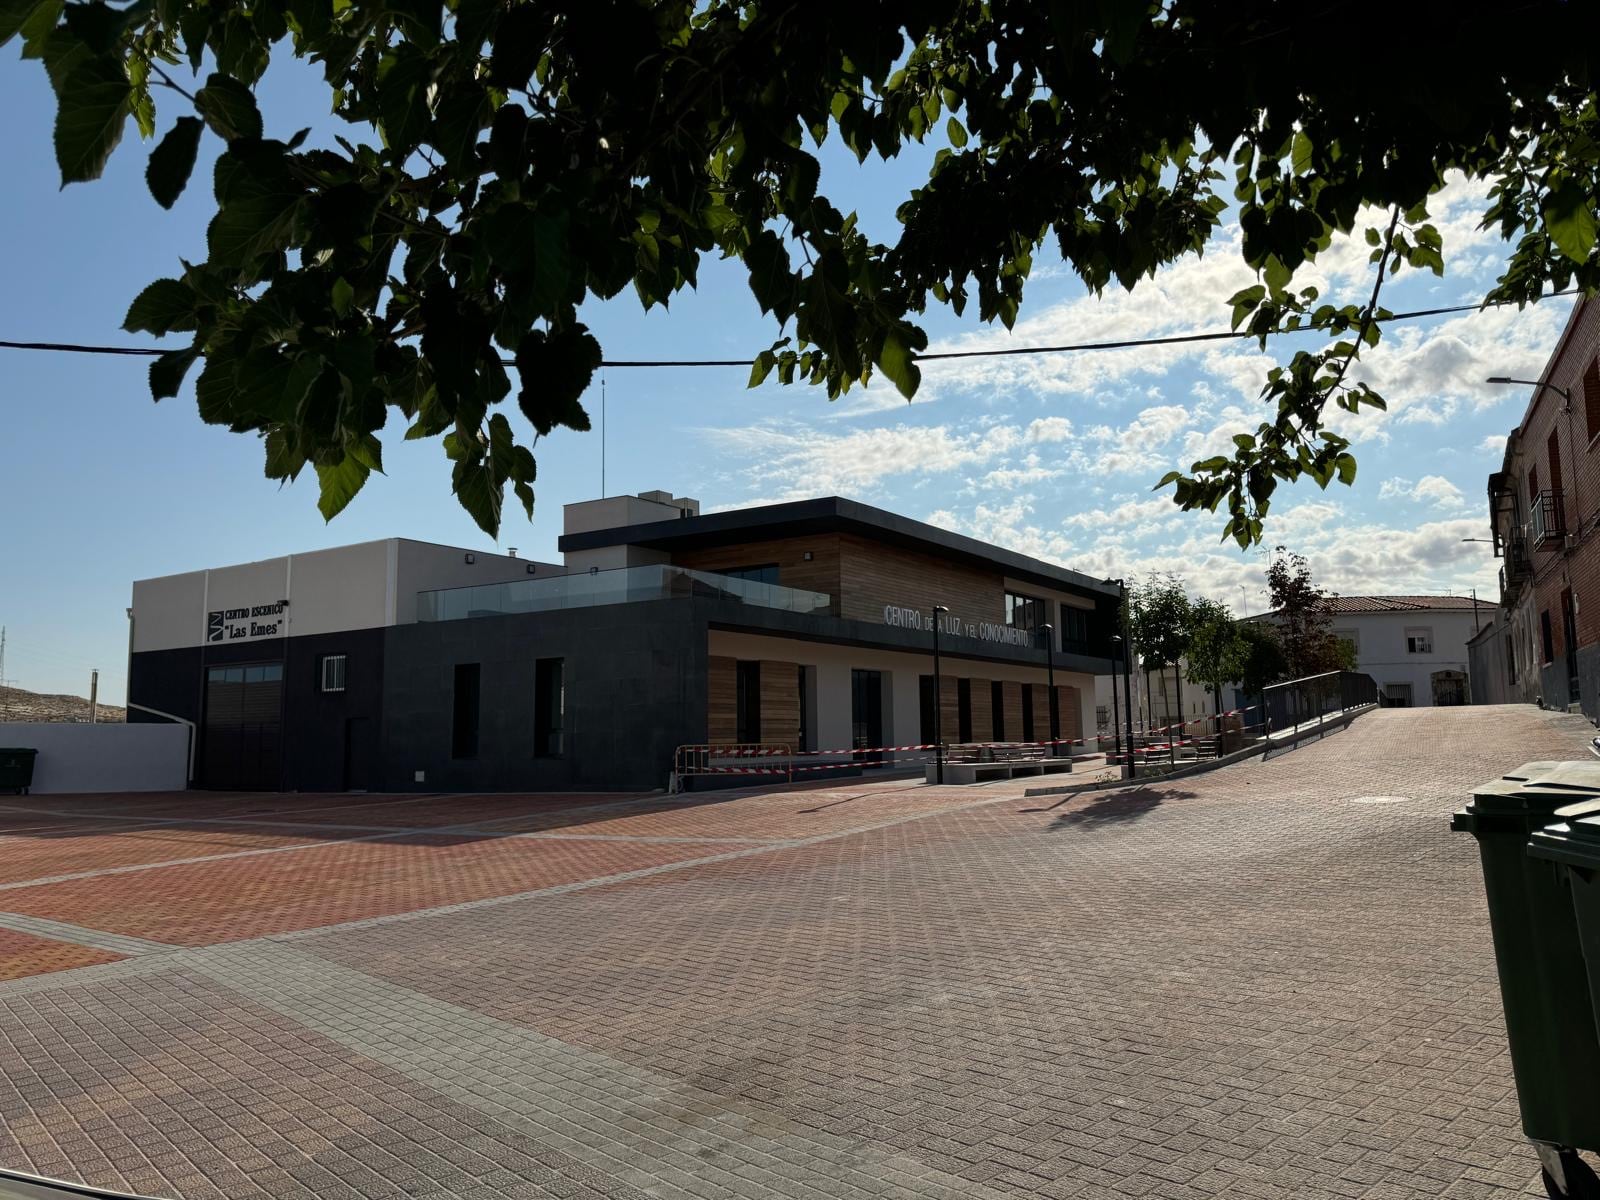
(1548, 519)
(1518, 565)
(624, 585)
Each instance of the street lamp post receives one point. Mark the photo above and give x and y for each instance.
(1049, 632)
(938, 701)
(1116, 717)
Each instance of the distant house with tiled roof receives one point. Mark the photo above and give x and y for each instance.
(1415, 646)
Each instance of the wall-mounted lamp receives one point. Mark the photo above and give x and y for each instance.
(471, 558)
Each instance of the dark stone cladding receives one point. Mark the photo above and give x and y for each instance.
(314, 723)
(636, 688)
(635, 677)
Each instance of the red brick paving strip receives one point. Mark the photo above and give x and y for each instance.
(204, 903)
(22, 955)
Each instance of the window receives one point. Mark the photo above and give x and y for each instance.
(1533, 484)
(748, 702)
(925, 702)
(549, 706)
(1419, 641)
(1591, 398)
(1024, 612)
(331, 673)
(1397, 695)
(964, 709)
(1074, 627)
(767, 573)
(1547, 643)
(1102, 716)
(1552, 450)
(464, 712)
(805, 709)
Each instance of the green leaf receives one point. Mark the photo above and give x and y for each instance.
(93, 107)
(215, 391)
(1569, 218)
(284, 459)
(14, 15)
(956, 132)
(555, 370)
(163, 307)
(339, 482)
(896, 363)
(168, 370)
(229, 108)
(342, 295)
(762, 367)
(1347, 469)
(173, 160)
(478, 493)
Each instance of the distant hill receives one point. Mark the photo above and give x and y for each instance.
(19, 705)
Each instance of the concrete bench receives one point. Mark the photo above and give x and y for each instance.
(967, 772)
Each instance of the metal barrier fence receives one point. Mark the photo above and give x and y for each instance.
(713, 759)
(1296, 702)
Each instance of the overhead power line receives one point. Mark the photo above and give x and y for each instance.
(1177, 339)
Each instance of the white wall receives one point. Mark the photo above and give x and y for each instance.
(426, 566)
(364, 586)
(1381, 647)
(105, 758)
(902, 702)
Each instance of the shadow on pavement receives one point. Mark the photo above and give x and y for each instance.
(1279, 751)
(1118, 808)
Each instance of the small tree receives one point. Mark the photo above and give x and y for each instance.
(1254, 657)
(1160, 616)
(1303, 616)
(1212, 634)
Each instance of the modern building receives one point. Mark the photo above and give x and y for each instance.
(1544, 505)
(802, 627)
(1415, 647)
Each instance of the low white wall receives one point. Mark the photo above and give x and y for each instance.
(142, 757)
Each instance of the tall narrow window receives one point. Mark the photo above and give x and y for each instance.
(549, 706)
(964, 709)
(925, 703)
(805, 710)
(749, 701)
(1591, 398)
(997, 703)
(332, 673)
(464, 717)
(1552, 452)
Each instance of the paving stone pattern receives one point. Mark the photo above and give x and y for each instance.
(1273, 979)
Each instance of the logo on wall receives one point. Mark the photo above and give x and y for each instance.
(243, 624)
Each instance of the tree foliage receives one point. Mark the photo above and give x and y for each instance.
(1212, 634)
(1302, 617)
(506, 161)
(1159, 611)
(1255, 657)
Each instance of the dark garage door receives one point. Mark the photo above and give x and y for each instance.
(243, 728)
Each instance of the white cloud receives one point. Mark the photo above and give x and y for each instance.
(1494, 443)
(1430, 489)
(1049, 429)
(788, 461)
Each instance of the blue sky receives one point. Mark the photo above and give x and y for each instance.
(1050, 455)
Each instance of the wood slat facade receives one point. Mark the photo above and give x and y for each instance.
(780, 703)
(722, 699)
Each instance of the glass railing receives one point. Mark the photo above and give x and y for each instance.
(625, 585)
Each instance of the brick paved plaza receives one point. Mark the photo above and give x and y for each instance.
(1271, 980)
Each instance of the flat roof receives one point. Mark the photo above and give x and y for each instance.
(831, 514)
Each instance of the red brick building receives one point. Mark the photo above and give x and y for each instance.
(1544, 504)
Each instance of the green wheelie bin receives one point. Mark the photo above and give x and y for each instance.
(16, 769)
(1544, 985)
